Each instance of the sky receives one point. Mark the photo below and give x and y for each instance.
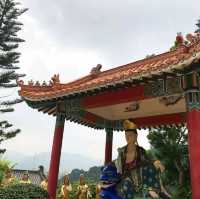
(69, 37)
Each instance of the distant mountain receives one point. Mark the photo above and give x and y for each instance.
(92, 175)
(67, 164)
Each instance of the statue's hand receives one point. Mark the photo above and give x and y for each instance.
(159, 165)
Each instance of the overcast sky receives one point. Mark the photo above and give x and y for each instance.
(70, 37)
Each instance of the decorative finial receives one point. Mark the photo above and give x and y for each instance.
(37, 83)
(96, 70)
(179, 39)
(30, 83)
(180, 43)
(55, 80)
(192, 38)
(44, 83)
(19, 82)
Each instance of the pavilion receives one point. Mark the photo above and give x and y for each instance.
(159, 90)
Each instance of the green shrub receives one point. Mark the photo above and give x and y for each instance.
(23, 191)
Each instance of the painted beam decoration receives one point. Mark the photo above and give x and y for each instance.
(166, 86)
(148, 91)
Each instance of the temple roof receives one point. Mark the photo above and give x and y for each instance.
(150, 91)
(169, 62)
(35, 176)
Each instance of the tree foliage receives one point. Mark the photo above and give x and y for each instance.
(9, 58)
(170, 145)
(9, 42)
(6, 133)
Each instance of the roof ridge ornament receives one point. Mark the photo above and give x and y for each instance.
(193, 38)
(96, 70)
(19, 82)
(55, 80)
(37, 83)
(180, 44)
(183, 44)
(179, 39)
(31, 83)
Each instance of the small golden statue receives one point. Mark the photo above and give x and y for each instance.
(25, 178)
(44, 184)
(66, 188)
(98, 190)
(83, 189)
(8, 179)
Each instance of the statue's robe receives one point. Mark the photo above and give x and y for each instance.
(83, 192)
(139, 176)
(65, 191)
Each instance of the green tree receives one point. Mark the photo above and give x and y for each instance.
(169, 144)
(9, 58)
(6, 133)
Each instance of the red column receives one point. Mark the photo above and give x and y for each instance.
(193, 124)
(108, 147)
(191, 86)
(55, 156)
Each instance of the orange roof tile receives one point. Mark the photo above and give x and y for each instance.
(181, 57)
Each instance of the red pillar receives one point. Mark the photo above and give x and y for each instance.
(55, 156)
(192, 96)
(193, 124)
(108, 147)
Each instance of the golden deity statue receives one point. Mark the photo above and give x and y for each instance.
(83, 189)
(8, 178)
(25, 179)
(66, 188)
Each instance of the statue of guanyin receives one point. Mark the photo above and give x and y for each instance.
(139, 174)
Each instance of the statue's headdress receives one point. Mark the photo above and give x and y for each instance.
(130, 126)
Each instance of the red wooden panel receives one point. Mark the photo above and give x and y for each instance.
(114, 97)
